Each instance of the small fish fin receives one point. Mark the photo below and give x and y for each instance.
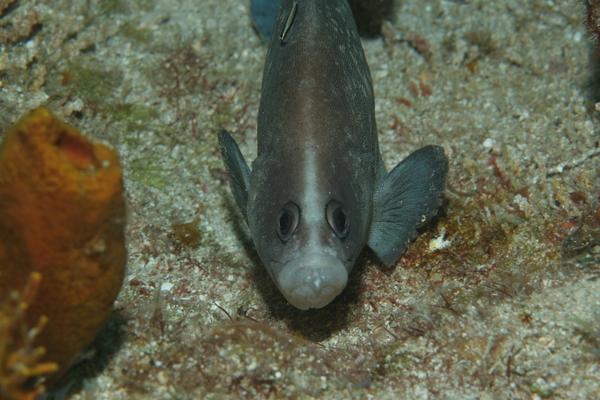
(239, 172)
(405, 199)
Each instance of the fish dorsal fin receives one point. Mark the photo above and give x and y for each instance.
(239, 172)
(405, 199)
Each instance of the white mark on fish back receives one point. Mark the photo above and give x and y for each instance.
(313, 209)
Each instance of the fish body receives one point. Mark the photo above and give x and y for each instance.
(317, 192)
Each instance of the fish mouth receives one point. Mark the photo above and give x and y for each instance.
(312, 280)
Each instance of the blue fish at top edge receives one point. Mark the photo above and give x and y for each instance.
(263, 13)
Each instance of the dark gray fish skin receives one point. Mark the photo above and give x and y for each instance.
(317, 192)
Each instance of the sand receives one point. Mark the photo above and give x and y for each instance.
(499, 298)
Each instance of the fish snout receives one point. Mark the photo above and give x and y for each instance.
(312, 281)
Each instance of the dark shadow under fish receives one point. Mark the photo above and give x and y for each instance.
(318, 192)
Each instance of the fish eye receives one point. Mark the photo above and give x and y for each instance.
(337, 218)
(289, 216)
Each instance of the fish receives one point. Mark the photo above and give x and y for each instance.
(262, 16)
(318, 191)
(368, 14)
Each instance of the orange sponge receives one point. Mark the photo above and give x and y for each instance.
(62, 214)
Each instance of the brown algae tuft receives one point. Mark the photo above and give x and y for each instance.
(20, 358)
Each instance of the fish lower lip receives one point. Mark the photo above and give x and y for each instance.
(324, 291)
(316, 300)
(312, 280)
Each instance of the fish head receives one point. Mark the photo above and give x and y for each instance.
(307, 234)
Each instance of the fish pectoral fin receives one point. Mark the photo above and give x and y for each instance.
(239, 172)
(405, 199)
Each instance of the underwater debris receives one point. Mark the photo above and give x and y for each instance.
(20, 26)
(593, 18)
(419, 43)
(19, 356)
(581, 245)
(186, 234)
(589, 331)
(4, 5)
(62, 215)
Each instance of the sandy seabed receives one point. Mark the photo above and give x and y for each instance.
(498, 299)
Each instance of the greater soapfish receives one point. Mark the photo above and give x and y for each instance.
(318, 191)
